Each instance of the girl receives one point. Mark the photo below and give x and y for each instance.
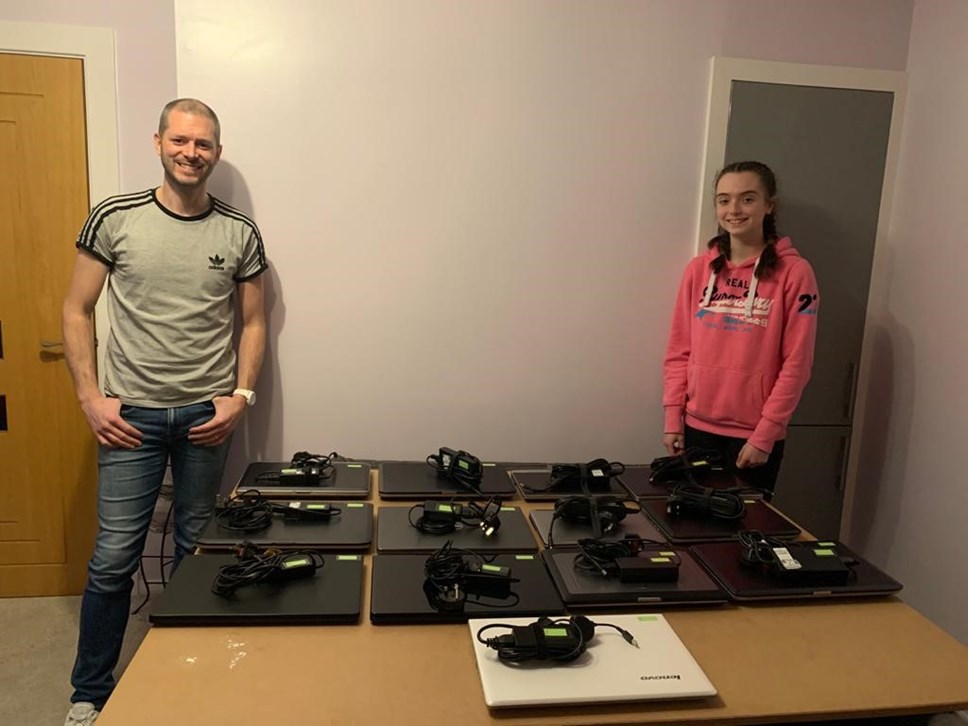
(743, 331)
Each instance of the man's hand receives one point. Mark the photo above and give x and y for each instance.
(104, 417)
(228, 413)
(750, 456)
(674, 443)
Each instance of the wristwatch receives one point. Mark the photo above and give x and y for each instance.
(248, 395)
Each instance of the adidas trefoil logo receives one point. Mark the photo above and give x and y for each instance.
(217, 262)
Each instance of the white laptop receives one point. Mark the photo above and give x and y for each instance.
(609, 670)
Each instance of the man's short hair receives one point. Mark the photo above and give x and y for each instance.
(189, 105)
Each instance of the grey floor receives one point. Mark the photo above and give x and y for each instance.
(37, 641)
(38, 637)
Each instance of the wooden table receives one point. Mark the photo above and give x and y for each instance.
(770, 663)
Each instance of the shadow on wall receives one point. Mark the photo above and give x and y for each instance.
(261, 430)
(886, 433)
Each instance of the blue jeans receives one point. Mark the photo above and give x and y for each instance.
(128, 484)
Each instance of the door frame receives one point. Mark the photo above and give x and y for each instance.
(96, 48)
(726, 70)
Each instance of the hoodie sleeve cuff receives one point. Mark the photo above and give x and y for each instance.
(673, 420)
(766, 434)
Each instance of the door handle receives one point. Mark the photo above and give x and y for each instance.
(842, 467)
(47, 344)
(849, 386)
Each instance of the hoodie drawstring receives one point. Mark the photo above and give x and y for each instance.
(750, 298)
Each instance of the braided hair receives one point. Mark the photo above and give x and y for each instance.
(768, 259)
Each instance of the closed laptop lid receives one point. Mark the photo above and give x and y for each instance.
(688, 528)
(755, 582)
(398, 593)
(536, 484)
(567, 533)
(395, 533)
(347, 479)
(332, 595)
(610, 670)
(581, 589)
(417, 479)
(351, 529)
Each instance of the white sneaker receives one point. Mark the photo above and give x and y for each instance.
(81, 714)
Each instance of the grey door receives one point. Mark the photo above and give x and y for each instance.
(828, 147)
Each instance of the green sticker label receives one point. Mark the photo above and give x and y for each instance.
(660, 559)
(289, 471)
(826, 544)
(749, 501)
(556, 632)
(445, 508)
(507, 509)
(355, 505)
(294, 563)
(349, 558)
(354, 466)
(825, 553)
(668, 554)
(317, 506)
(524, 557)
(648, 618)
(490, 568)
(702, 462)
(488, 463)
(463, 465)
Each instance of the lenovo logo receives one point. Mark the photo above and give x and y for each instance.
(669, 677)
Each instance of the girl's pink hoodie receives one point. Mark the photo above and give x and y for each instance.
(740, 349)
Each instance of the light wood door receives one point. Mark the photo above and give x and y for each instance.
(48, 456)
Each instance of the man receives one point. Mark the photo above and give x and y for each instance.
(176, 261)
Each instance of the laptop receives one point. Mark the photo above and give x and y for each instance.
(394, 533)
(637, 479)
(567, 534)
(535, 485)
(332, 595)
(351, 529)
(418, 480)
(691, 528)
(610, 670)
(753, 582)
(349, 479)
(400, 593)
(580, 589)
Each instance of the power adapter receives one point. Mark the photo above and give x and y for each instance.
(441, 511)
(546, 639)
(308, 511)
(660, 566)
(293, 567)
(300, 476)
(805, 564)
(481, 578)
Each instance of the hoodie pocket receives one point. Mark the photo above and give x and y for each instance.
(725, 395)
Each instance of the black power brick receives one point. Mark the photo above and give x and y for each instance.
(301, 476)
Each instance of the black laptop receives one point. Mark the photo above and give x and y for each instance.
(688, 528)
(536, 485)
(341, 479)
(400, 593)
(825, 569)
(333, 595)
(580, 589)
(395, 533)
(567, 533)
(418, 480)
(351, 529)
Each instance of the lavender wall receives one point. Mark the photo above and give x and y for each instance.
(911, 501)
(145, 46)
